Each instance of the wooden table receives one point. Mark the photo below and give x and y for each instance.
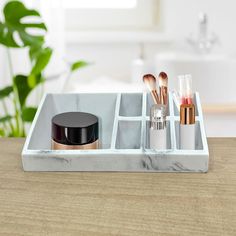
(118, 203)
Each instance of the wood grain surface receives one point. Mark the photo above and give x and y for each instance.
(118, 203)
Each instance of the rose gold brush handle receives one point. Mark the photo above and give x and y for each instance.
(155, 96)
(163, 95)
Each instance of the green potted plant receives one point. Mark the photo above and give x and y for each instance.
(12, 124)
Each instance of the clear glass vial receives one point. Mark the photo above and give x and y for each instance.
(158, 127)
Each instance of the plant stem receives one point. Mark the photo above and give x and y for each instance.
(6, 113)
(5, 128)
(2, 130)
(15, 97)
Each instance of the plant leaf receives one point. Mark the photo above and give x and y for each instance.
(34, 80)
(2, 133)
(42, 58)
(14, 12)
(34, 51)
(28, 113)
(5, 91)
(78, 65)
(24, 86)
(5, 118)
(21, 83)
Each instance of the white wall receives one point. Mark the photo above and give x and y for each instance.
(178, 19)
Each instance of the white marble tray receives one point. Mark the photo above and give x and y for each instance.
(124, 144)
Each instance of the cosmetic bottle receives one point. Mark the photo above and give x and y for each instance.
(187, 126)
(74, 130)
(158, 127)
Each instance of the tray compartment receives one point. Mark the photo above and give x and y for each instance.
(131, 104)
(128, 135)
(168, 136)
(198, 136)
(102, 105)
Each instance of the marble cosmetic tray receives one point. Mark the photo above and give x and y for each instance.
(123, 136)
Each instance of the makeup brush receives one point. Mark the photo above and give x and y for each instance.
(150, 82)
(163, 88)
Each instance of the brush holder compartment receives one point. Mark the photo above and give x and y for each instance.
(123, 136)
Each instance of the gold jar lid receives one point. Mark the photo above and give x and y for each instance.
(187, 114)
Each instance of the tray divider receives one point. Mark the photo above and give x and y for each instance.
(198, 106)
(143, 126)
(130, 118)
(115, 124)
(172, 122)
(201, 123)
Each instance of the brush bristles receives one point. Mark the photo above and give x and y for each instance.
(163, 79)
(150, 81)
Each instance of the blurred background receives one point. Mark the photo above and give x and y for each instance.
(117, 41)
